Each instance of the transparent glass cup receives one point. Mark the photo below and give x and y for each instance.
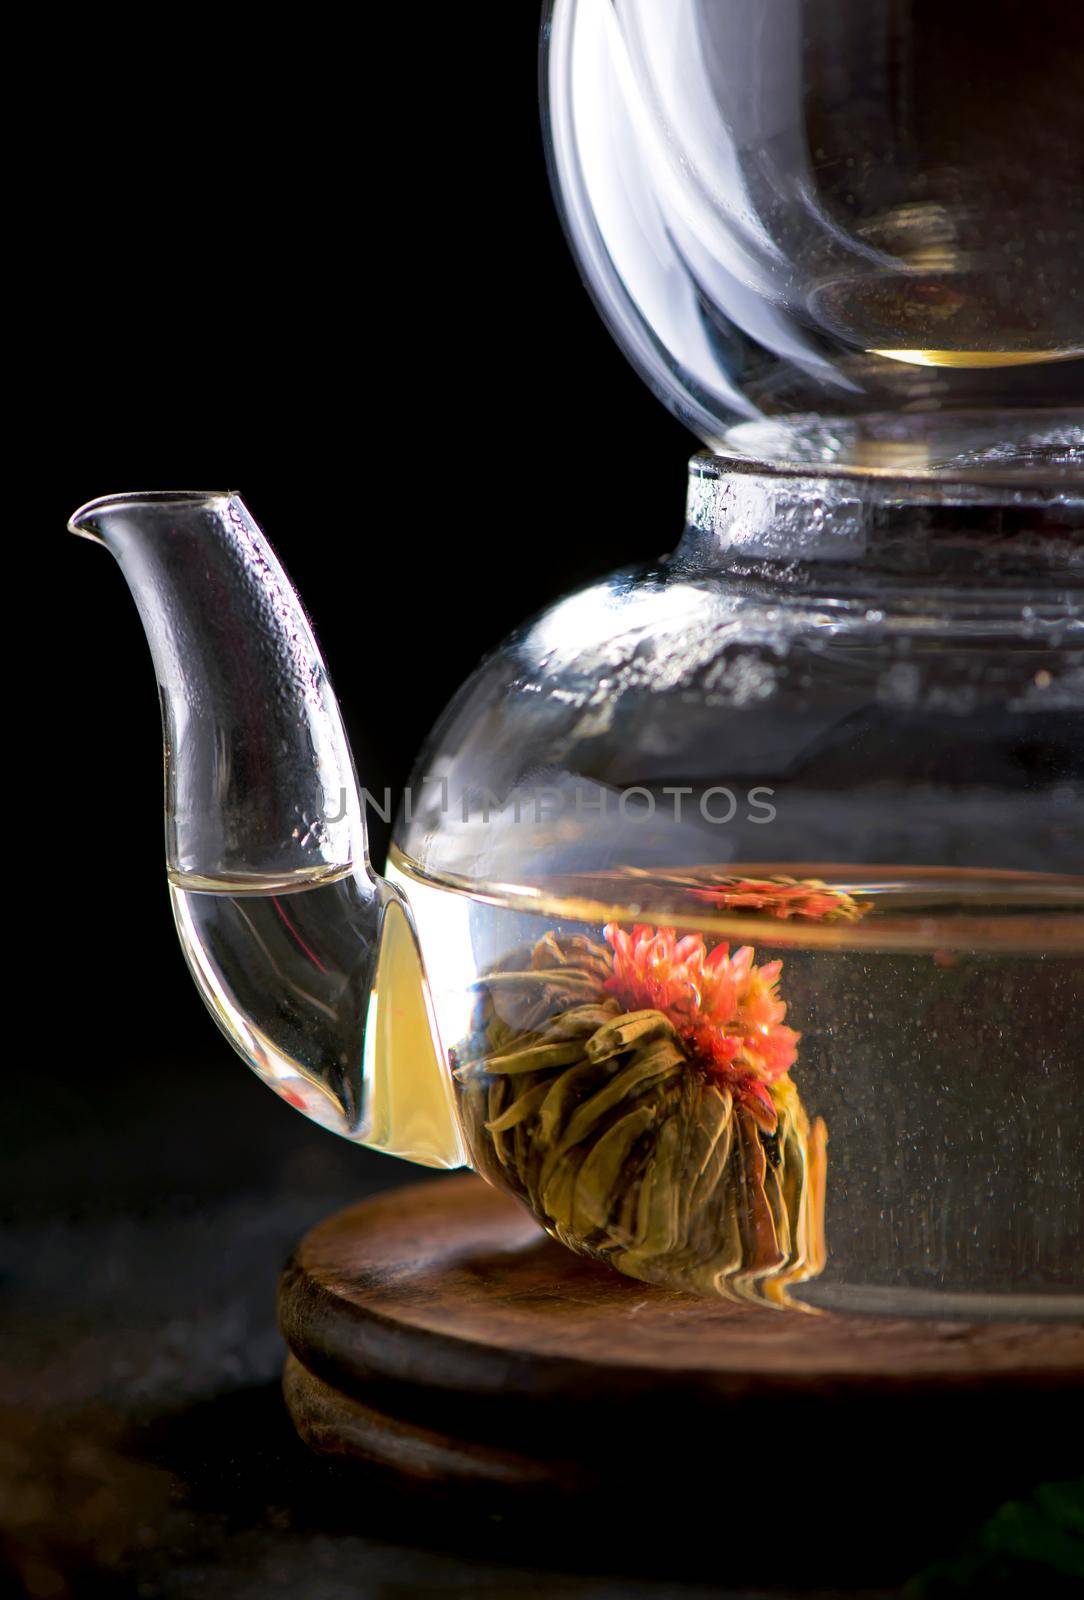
(829, 206)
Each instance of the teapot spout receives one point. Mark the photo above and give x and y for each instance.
(259, 779)
(291, 937)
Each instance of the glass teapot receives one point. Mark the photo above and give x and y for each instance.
(734, 915)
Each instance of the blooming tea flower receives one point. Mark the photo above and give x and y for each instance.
(725, 1009)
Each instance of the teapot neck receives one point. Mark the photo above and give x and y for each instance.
(1008, 515)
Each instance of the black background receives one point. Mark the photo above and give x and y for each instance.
(316, 261)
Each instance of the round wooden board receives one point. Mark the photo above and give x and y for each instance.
(437, 1338)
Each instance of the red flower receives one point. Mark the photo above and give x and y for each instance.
(809, 900)
(725, 1010)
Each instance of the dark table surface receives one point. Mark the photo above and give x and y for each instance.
(146, 1449)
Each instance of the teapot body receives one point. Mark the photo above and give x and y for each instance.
(734, 920)
(835, 745)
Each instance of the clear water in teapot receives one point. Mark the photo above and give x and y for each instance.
(907, 1139)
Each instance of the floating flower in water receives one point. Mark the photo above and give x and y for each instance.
(808, 899)
(725, 1010)
(782, 898)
